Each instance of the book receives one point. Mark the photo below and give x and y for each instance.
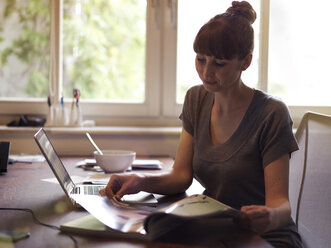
(91, 226)
(108, 219)
(150, 164)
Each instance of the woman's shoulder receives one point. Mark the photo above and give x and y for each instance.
(269, 102)
(197, 90)
(196, 94)
(271, 108)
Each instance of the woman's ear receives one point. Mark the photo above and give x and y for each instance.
(247, 62)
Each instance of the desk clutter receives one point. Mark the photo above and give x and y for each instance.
(61, 115)
(27, 121)
(137, 164)
(4, 154)
(90, 226)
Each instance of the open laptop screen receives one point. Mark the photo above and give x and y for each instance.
(54, 161)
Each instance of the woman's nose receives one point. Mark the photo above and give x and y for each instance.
(208, 72)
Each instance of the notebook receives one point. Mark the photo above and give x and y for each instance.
(70, 188)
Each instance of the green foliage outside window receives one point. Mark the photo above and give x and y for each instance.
(31, 47)
(103, 47)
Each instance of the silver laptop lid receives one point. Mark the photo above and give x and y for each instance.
(54, 161)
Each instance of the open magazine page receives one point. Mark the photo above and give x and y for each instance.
(188, 212)
(197, 206)
(196, 213)
(117, 217)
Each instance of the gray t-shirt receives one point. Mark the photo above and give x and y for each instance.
(233, 172)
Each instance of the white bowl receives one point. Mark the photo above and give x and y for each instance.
(114, 160)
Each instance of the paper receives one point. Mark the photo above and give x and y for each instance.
(197, 205)
(75, 179)
(97, 178)
(141, 198)
(146, 164)
(124, 219)
(27, 158)
(152, 164)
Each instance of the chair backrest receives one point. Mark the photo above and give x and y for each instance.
(310, 180)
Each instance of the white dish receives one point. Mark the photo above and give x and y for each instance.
(114, 160)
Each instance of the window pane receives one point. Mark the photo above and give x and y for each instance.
(192, 14)
(24, 48)
(104, 49)
(299, 51)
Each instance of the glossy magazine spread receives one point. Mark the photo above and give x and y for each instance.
(112, 218)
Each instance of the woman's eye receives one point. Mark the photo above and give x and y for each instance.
(200, 59)
(220, 64)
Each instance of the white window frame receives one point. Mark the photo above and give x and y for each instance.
(296, 111)
(161, 50)
(148, 108)
(100, 109)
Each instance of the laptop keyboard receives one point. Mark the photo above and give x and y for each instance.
(92, 190)
(88, 189)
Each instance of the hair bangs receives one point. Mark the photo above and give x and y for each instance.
(214, 40)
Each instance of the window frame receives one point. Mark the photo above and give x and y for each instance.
(98, 109)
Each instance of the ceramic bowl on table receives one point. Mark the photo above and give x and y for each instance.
(115, 160)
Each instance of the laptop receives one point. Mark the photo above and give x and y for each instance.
(60, 172)
(70, 188)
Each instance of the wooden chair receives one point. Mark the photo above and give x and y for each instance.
(310, 180)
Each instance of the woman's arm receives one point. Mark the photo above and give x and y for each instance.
(277, 210)
(173, 182)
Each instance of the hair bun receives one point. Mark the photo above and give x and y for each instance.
(243, 9)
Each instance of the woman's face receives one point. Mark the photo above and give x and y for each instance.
(219, 74)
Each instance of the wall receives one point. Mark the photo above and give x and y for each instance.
(73, 141)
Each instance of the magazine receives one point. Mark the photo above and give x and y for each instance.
(110, 219)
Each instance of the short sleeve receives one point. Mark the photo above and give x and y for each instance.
(277, 138)
(187, 116)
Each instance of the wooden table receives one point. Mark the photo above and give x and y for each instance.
(22, 187)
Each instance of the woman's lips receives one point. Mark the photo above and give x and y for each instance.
(210, 82)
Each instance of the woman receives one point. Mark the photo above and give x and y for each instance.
(236, 141)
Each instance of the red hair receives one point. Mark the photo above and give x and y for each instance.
(228, 35)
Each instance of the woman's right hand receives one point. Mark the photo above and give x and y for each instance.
(175, 181)
(120, 185)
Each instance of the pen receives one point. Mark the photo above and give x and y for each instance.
(76, 95)
(73, 99)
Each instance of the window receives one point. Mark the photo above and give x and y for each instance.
(183, 71)
(114, 69)
(133, 60)
(98, 47)
(299, 52)
(24, 49)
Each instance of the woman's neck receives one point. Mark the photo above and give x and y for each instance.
(233, 99)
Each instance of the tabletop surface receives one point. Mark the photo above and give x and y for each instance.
(23, 187)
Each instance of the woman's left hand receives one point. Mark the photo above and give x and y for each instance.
(257, 218)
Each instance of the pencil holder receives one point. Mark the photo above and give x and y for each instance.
(58, 116)
(76, 116)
